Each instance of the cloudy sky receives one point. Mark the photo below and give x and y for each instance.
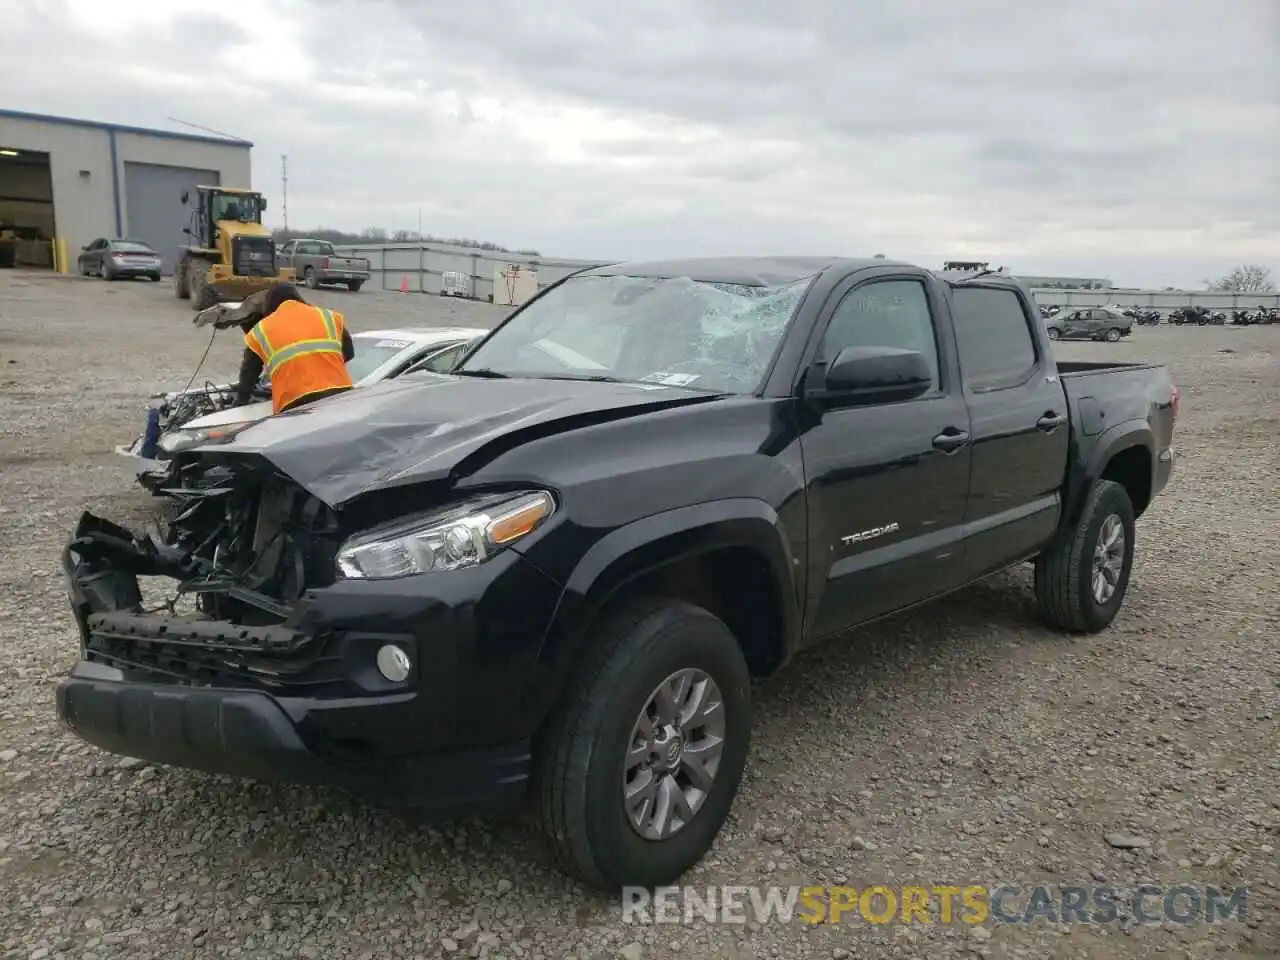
(1135, 140)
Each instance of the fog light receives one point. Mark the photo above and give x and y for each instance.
(394, 663)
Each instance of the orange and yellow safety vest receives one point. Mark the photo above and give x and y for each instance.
(300, 347)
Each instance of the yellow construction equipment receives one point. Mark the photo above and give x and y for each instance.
(231, 255)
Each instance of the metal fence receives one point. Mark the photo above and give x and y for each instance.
(1156, 299)
(420, 268)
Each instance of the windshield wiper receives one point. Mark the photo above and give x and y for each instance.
(480, 372)
(589, 377)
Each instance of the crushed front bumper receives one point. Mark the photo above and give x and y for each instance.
(303, 702)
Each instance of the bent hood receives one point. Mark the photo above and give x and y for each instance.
(428, 427)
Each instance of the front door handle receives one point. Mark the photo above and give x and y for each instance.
(1051, 421)
(950, 440)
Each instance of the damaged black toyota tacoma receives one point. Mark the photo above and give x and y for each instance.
(551, 575)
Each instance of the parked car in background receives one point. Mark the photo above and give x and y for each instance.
(115, 259)
(1089, 323)
(317, 262)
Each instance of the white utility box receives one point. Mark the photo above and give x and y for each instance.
(513, 284)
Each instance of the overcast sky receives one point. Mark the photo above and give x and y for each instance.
(1134, 140)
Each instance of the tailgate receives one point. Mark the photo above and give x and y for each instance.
(349, 264)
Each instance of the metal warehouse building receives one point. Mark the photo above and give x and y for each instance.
(65, 183)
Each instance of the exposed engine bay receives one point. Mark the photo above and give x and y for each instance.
(245, 551)
(242, 557)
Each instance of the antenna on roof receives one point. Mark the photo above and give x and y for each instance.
(196, 126)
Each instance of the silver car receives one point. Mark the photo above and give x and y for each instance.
(116, 259)
(380, 355)
(1089, 323)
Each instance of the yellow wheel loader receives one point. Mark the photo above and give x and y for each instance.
(231, 255)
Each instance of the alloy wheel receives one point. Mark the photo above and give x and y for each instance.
(673, 754)
(1108, 559)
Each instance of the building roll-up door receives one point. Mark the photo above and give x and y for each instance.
(154, 209)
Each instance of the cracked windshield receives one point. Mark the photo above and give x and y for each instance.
(673, 332)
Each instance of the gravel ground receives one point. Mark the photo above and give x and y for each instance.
(960, 744)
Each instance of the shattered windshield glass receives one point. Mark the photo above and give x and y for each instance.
(676, 332)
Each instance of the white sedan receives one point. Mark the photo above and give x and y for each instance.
(379, 355)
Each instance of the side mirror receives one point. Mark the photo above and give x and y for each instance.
(872, 375)
(186, 195)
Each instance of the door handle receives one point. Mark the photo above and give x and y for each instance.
(950, 440)
(1051, 421)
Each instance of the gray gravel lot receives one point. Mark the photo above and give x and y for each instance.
(960, 744)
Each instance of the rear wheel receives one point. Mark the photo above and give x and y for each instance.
(1054, 334)
(180, 288)
(640, 765)
(309, 278)
(355, 285)
(1113, 335)
(1081, 580)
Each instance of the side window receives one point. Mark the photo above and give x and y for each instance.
(883, 313)
(994, 338)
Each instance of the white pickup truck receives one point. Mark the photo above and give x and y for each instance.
(317, 262)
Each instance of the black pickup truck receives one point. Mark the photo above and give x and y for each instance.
(552, 574)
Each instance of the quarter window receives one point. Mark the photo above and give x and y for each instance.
(884, 313)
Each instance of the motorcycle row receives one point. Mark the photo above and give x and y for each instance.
(1197, 316)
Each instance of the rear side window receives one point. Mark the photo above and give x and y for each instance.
(994, 338)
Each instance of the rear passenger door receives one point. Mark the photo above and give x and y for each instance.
(887, 482)
(1019, 423)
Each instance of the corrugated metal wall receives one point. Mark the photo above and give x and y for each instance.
(422, 265)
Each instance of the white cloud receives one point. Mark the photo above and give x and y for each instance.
(1134, 140)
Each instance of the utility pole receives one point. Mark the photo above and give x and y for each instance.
(284, 190)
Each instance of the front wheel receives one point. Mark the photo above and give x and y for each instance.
(1081, 580)
(639, 766)
(1054, 334)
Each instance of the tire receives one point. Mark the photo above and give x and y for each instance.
(202, 296)
(107, 274)
(355, 285)
(1065, 572)
(309, 278)
(180, 288)
(155, 277)
(580, 766)
(1113, 335)
(1054, 334)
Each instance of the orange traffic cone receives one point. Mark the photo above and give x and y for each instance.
(404, 283)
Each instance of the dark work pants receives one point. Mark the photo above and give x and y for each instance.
(303, 400)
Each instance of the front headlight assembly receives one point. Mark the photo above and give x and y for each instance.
(462, 536)
(175, 441)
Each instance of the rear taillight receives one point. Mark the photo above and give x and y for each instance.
(1174, 398)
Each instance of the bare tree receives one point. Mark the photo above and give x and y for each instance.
(1246, 278)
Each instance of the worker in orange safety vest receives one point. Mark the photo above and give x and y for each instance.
(303, 349)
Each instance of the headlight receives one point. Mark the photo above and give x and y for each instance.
(175, 441)
(462, 536)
